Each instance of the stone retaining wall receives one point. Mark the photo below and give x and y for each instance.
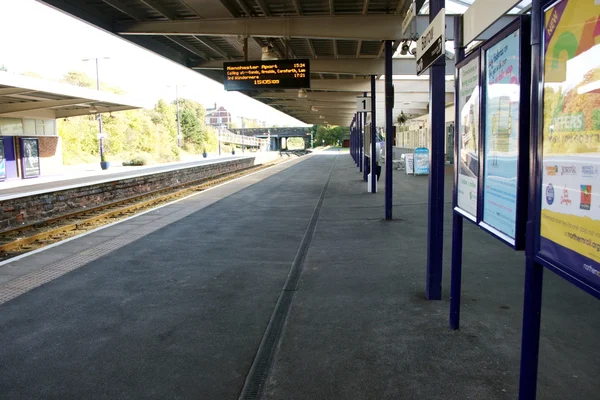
(39, 207)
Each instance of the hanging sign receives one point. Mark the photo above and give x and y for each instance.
(421, 163)
(363, 104)
(432, 44)
(570, 201)
(468, 138)
(275, 74)
(501, 135)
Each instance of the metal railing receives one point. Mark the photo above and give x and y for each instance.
(227, 136)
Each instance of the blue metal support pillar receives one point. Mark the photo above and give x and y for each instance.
(361, 128)
(373, 137)
(356, 139)
(534, 272)
(363, 149)
(457, 219)
(435, 228)
(352, 139)
(389, 127)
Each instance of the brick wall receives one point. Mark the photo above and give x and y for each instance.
(36, 208)
(51, 160)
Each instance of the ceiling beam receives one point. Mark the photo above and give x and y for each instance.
(349, 27)
(39, 105)
(416, 89)
(365, 7)
(263, 7)
(208, 43)
(125, 9)
(245, 7)
(9, 91)
(188, 47)
(351, 66)
(160, 8)
(297, 7)
(64, 113)
(328, 96)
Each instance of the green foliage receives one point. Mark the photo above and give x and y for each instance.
(3, 68)
(329, 135)
(78, 78)
(295, 143)
(138, 160)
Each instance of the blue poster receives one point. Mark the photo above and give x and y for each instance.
(501, 135)
(421, 161)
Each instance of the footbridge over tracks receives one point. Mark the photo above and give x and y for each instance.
(277, 137)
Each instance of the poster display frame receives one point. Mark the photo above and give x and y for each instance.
(557, 266)
(23, 166)
(457, 141)
(522, 24)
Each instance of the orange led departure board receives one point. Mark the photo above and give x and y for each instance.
(275, 74)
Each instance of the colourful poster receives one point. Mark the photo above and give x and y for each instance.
(501, 135)
(421, 161)
(468, 137)
(570, 216)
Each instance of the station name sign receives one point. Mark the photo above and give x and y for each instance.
(275, 74)
(432, 44)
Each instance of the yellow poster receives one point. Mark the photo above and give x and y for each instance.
(570, 217)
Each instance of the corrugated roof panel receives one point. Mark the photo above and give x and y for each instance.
(323, 47)
(347, 48)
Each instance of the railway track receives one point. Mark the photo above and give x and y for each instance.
(31, 237)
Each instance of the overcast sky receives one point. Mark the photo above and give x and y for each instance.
(39, 39)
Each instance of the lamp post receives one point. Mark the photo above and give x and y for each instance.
(243, 126)
(178, 116)
(219, 137)
(100, 134)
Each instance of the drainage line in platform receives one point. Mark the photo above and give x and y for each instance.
(259, 371)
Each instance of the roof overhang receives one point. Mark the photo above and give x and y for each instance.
(23, 96)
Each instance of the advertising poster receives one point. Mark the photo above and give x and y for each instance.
(468, 137)
(409, 160)
(31, 157)
(421, 161)
(501, 135)
(570, 209)
(2, 161)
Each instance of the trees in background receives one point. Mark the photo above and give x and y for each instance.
(143, 135)
(329, 135)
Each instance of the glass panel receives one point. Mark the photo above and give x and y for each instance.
(501, 134)
(30, 157)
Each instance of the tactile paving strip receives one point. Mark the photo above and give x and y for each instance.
(25, 283)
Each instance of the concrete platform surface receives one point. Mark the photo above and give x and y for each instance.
(174, 303)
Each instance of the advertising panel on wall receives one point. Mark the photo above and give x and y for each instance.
(2, 161)
(501, 86)
(468, 137)
(30, 154)
(570, 205)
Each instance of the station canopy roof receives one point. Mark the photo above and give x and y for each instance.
(342, 38)
(23, 96)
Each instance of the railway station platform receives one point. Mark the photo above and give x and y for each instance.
(295, 263)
